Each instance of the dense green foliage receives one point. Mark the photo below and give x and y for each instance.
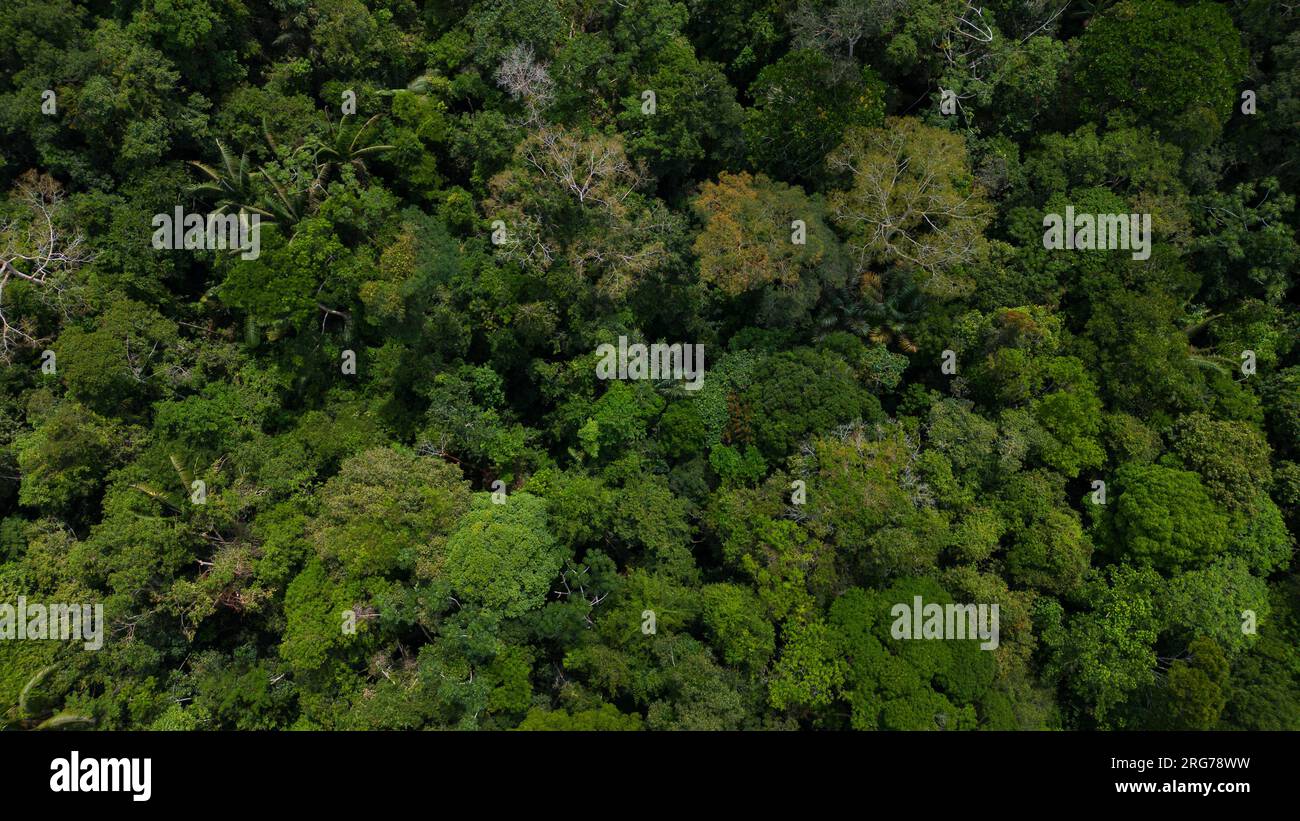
(369, 478)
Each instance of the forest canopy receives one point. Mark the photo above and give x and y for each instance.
(660, 364)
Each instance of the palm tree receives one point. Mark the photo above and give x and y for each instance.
(883, 314)
(231, 184)
(346, 144)
(234, 187)
(1206, 357)
(284, 206)
(25, 714)
(423, 84)
(170, 499)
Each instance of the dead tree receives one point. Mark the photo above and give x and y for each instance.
(37, 251)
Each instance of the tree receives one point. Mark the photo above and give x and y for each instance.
(1048, 548)
(746, 244)
(313, 643)
(871, 503)
(63, 459)
(801, 391)
(1232, 458)
(809, 671)
(346, 144)
(900, 684)
(1210, 602)
(1108, 652)
(604, 718)
(387, 510)
(1141, 357)
(1264, 692)
(502, 556)
(1246, 245)
(1282, 394)
(1163, 517)
(1174, 66)
(1195, 687)
(526, 80)
(912, 200)
(903, 30)
(695, 125)
(791, 570)
(123, 362)
(231, 184)
(570, 203)
(803, 104)
(741, 633)
(1018, 363)
(39, 259)
(840, 25)
(497, 26)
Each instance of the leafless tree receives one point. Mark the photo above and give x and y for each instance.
(527, 80)
(977, 50)
(618, 238)
(36, 250)
(912, 200)
(592, 169)
(843, 24)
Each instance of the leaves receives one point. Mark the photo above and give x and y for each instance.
(376, 473)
